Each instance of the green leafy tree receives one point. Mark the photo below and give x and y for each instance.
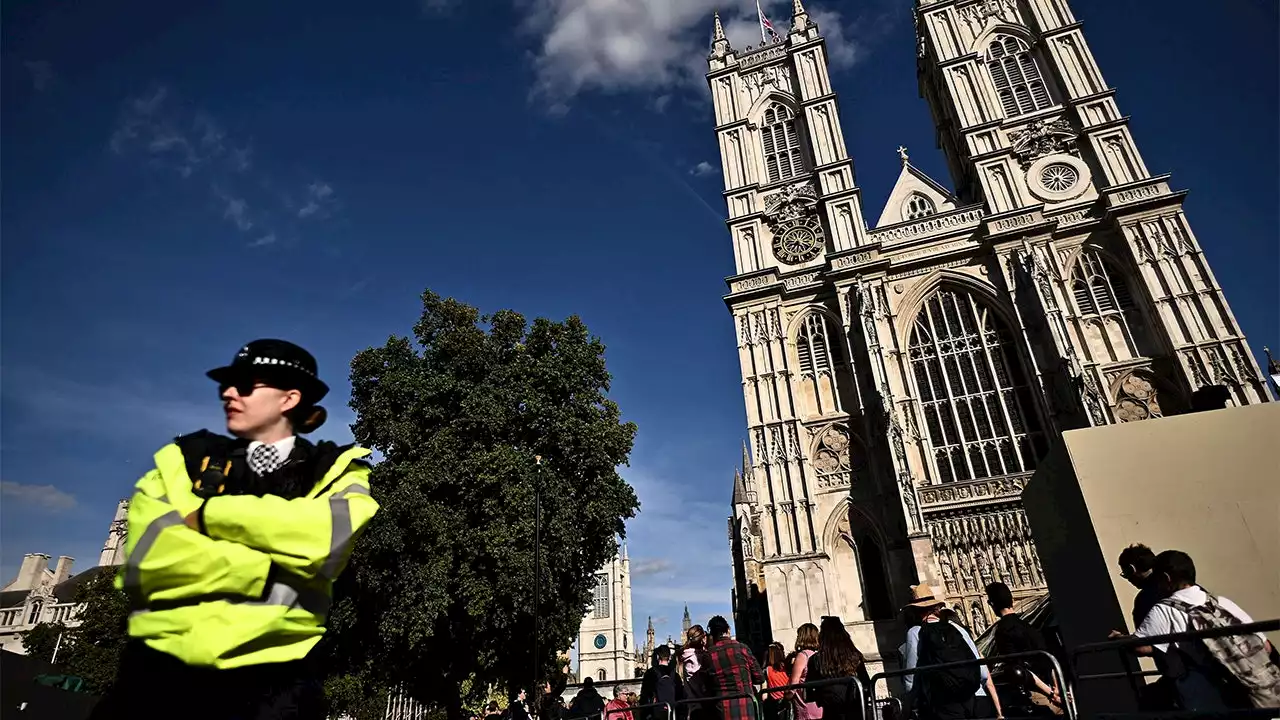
(93, 648)
(440, 593)
(40, 641)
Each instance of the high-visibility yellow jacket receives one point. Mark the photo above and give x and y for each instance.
(256, 585)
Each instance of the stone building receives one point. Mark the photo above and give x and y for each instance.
(902, 379)
(44, 594)
(606, 642)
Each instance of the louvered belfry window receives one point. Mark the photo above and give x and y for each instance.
(1099, 289)
(781, 144)
(1017, 78)
(813, 345)
(600, 597)
(978, 408)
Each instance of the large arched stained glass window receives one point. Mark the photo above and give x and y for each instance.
(978, 409)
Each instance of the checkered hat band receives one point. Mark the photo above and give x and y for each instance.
(281, 363)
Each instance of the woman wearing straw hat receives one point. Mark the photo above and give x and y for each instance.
(965, 692)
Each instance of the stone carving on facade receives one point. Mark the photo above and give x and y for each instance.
(978, 618)
(984, 12)
(1093, 399)
(1041, 138)
(978, 548)
(776, 451)
(832, 453)
(1198, 377)
(912, 507)
(775, 325)
(1137, 399)
(1244, 368)
(775, 77)
(793, 444)
(792, 211)
(1222, 372)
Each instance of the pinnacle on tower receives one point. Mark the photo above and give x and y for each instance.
(799, 18)
(739, 488)
(719, 43)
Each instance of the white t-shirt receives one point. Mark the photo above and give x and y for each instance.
(1166, 620)
(1197, 691)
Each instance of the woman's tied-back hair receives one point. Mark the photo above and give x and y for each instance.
(696, 637)
(776, 657)
(807, 637)
(840, 657)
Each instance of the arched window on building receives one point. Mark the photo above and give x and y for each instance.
(979, 412)
(1016, 76)
(1098, 288)
(813, 345)
(600, 597)
(33, 616)
(1101, 293)
(917, 206)
(602, 675)
(781, 143)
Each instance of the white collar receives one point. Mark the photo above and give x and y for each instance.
(284, 446)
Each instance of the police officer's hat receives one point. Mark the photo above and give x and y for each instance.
(275, 361)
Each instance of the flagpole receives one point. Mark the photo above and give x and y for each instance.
(760, 18)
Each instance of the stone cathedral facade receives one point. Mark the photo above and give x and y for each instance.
(903, 379)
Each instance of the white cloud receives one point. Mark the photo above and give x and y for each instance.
(42, 497)
(319, 200)
(679, 546)
(650, 45)
(159, 128)
(42, 75)
(237, 211)
(702, 168)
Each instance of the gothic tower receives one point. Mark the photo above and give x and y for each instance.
(606, 646)
(901, 382)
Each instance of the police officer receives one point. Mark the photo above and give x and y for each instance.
(233, 547)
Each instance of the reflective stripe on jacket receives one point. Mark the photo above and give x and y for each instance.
(257, 587)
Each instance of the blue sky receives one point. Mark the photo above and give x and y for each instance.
(182, 177)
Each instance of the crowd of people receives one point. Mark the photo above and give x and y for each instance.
(712, 676)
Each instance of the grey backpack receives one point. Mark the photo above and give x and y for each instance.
(1244, 657)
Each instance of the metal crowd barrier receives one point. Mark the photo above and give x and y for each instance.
(716, 699)
(860, 708)
(1128, 642)
(1064, 688)
(671, 712)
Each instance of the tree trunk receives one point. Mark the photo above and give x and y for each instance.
(453, 709)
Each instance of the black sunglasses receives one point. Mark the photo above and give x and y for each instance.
(244, 387)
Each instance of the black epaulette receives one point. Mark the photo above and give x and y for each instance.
(215, 463)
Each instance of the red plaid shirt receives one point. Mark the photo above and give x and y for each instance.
(735, 671)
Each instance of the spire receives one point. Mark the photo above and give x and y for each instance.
(719, 43)
(623, 554)
(650, 630)
(687, 622)
(799, 18)
(739, 488)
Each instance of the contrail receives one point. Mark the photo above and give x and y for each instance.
(654, 162)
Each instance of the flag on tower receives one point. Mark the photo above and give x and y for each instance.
(766, 28)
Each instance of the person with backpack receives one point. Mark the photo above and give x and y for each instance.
(661, 684)
(1212, 674)
(963, 692)
(588, 702)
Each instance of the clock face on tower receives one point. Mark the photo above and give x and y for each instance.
(601, 641)
(797, 245)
